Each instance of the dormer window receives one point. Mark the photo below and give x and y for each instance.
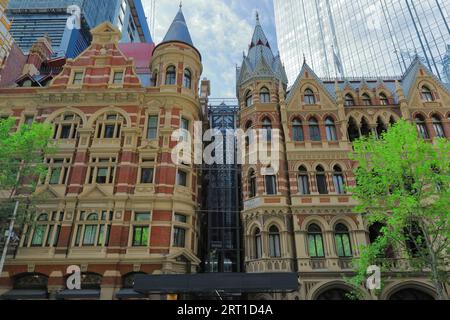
(310, 98)
(384, 101)
(78, 78)
(171, 75)
(427, 95)
(349, 101)
(118, 77)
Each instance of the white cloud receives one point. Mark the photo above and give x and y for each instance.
(218, 32)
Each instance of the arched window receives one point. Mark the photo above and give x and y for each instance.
(155, 78)
(342, 238)
(252, 184)
(314, 130)
(187, 80)
(315, 242)
(258, 244)
(310, 98)
(367, 101)
(330, 129)
(248, 99)
(427, 95)
(303, 181)
(109, 126)
(264, 95)
(171, 75)
(321, 180)
(338, 180)
(422, 127)
(267, 127)
(353, 130)
(93, 229)
(437, 125)
(384, 101)
(392, 121)
(349, 100)
(66, 126)
(365, 128)
(274, 242)
(297, 130)
(44, 232)
(381, 127)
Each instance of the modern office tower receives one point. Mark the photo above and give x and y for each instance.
(5, 36)
(301, 218)
(35, 18)
(221, 199)
(363, 37)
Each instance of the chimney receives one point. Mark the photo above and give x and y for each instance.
(39, 52)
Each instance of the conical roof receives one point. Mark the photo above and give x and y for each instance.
(179, 31)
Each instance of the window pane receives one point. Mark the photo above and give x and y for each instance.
(179, 238)
(312, 246)
(152, 128)
(102, 174)
(89, 235)
(140, 236)
(109, 131)
(38, 236)
(56, 174)
(271, 188)
(100, 235)
(181, 218)
(142, 216)
(319, 244)
(147, 175)
(65, 131)
(182, 178)
(322, 184)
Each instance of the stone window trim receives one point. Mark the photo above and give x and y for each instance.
(105, 122)
(114, 81)
(138, 222)
(146, 163)
(75, 80)
(25, 116)
(49, 227)
(98, 162)
(58, 171)
(146, 134)
(62, 122)
(92, 220)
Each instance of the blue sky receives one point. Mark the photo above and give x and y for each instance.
(221, 31)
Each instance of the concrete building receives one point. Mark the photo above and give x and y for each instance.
(300, 219)
(115, 203)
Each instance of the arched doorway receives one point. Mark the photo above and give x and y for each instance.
(334, 294)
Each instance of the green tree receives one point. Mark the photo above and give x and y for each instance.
(402, 186)
(22, 154)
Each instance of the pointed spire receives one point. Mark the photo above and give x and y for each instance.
(179, 31)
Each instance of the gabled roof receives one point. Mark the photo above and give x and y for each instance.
(179, 31)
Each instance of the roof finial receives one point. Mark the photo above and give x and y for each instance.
(257, 16)
(181, 4)
(304, 58)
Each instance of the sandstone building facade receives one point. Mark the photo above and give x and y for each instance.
(300, 218)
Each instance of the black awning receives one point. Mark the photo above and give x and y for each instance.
(221, 282)
(25, 295)
(129, 294)
(78, 294)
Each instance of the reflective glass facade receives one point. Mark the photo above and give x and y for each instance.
(35, 18)
(363, 37)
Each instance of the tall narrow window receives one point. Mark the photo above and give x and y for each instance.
(171, 75)
(367, 101)
(187, 82)
(252, 184)
(274, 242)
(147, 175)
(152, 130)
(77, 78)
(267, 129)
(264, 95)
(342, 238)
(331, 129)
(315, 242)
(321, 180)
(248, 99)
(353, 130)
(338, 180)
(140, 236)
(314, 130)
(427, 95)
(365, 128)
(381, 127)
(303, 181)
(437, 125)
(310, 98)
(258, 244)
(155, 78)
(179, 237)
(184, 126)
(182, 178)
(297, 129)
(384, 101)
(271, 184)
(422, 127)
(349, 100)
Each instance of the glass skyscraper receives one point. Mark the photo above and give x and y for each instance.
(36, 18)
(363, 37)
